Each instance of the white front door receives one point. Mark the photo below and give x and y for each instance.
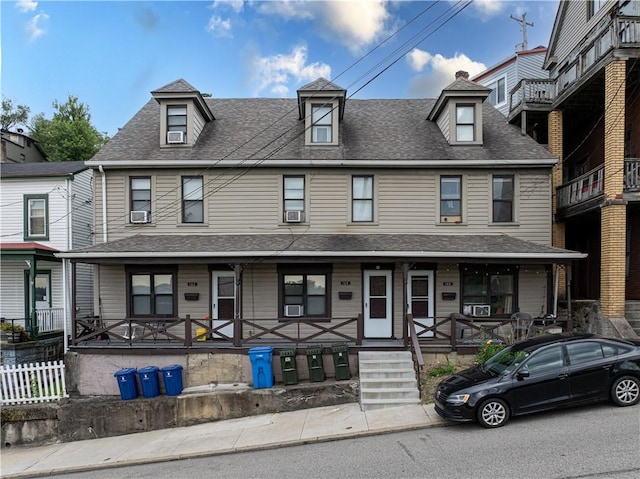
(42, 289)
(223, 305)
(420, 300)
(378, 318)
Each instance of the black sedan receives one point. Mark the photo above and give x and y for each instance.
(545, 372)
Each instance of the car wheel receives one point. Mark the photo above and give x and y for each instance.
(626, 391)
(493, 413)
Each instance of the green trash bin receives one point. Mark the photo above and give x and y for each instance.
(341, 361)
(288, 365)
(316, 366)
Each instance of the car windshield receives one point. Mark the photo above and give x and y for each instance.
(505, 361)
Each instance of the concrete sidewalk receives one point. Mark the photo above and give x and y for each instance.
(220, 437)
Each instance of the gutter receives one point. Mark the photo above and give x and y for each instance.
(343, 254)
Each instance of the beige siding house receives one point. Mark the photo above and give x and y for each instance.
(225, 224)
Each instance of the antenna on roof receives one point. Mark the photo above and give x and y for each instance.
(523, 21)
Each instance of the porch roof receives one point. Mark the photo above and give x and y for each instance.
(28, 251)
(311, 247)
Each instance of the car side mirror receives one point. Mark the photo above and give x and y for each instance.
(521, 375)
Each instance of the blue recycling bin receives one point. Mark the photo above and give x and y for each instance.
(127, 383)
(261, 368)
(149, 381)
(172, 378)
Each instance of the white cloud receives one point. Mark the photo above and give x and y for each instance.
(235, 5)
(34, 26)
(26, 5)
(441, 71)
(273, 73)
(353, 24)
(219, 26)
(487, 9)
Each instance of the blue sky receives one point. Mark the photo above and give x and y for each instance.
(111, 55)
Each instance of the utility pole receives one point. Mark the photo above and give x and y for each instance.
(523, 21)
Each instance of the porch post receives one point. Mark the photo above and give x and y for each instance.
(569, 315)
(73, 302)
(405, 305)
(237, 313)
(32, 321)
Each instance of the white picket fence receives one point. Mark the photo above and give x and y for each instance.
(33, 383)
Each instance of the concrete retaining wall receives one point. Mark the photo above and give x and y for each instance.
(93, 417)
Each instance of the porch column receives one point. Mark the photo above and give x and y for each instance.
(237, 313)
(405, 304)
(32, 320)
(556, 132)
(614, 211)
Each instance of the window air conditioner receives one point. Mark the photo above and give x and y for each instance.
(481, 310)
(140, 217)
(293, 310)
(450, 219)
(175, 137)
(293, 216)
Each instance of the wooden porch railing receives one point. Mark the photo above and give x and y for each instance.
(50, 319)
(532, 91)
(582, 188)
(234, 332)
(632, 174)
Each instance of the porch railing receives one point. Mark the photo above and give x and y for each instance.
(632, 174)
(532, 91)
(581, 189)
(50, 319)
(233, 332)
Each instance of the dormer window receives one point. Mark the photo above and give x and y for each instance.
(465, 124)
(176, 124)
(321, 124)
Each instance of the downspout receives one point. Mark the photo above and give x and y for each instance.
(104, 203)
(67, 314)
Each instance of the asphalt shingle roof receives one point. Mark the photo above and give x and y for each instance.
(260, 128)
(324, 245)
(48, 168)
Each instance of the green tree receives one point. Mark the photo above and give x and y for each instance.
(12, 115)
(69, 135)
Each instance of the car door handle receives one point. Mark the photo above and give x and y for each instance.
(563, 376)
(608, 366)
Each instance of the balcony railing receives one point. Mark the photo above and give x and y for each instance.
(632, 174)
(581, 189)
(532, 91)
(50, 319)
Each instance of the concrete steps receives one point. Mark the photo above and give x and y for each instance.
(632, 313)
(387, 379)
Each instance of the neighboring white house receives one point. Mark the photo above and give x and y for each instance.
(45, 208)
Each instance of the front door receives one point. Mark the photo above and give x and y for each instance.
(378, 319)
(42, 290)
(420, 301)
(223, 305)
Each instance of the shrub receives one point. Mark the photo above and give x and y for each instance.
(487, 350)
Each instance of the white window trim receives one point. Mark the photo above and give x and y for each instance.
(151, 207)
(495, 81)
(164, 127)
(477, 119)
(308, 124)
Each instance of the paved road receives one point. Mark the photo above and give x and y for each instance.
(600, 441)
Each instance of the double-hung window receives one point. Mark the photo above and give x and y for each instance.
(498, 93)
(465, 122)
(176, 122)
(450, 199)
(503, 198)
(305, 291)
(140, 194)
(492, 286)
(321, 124)
(362, 198)
(192, 199)
(152, 293)
(293, 199)
(36, 217)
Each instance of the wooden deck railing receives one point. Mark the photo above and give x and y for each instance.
(632, 174)
(235, 332)
(582, 188)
